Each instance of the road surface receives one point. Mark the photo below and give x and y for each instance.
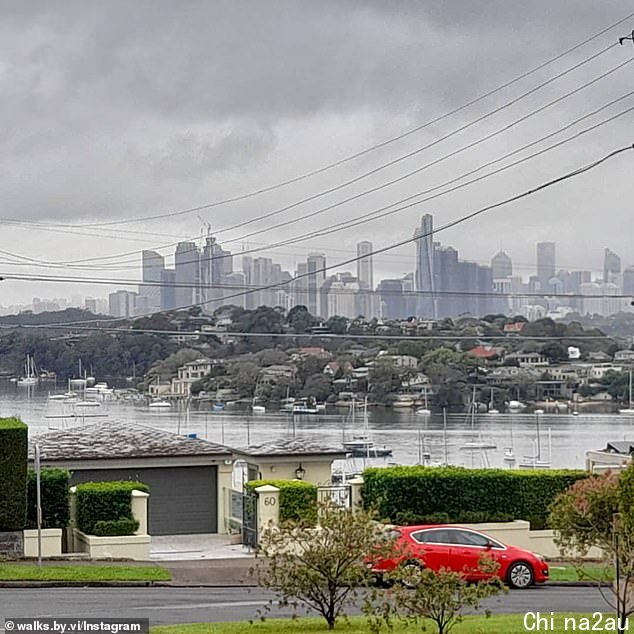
(189, 605)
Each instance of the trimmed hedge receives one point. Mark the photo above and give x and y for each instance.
(55, 490)
(412, 495)
(298, 499)
(109, 528)
(105, 502)
(13, 467)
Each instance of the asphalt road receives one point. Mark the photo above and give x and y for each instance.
(190, 605)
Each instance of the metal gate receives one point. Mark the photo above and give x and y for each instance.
(250, 518)
(337, 495)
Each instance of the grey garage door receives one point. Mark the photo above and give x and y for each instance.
(182, 499)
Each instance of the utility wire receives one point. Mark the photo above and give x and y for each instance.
(415, 199)
(382, 144)
(449, 225)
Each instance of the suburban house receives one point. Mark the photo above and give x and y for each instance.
(528, 359)
(624, 356)
(189, 374)
(616, 455)
(186, 475)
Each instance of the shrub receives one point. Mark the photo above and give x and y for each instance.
(55, 490)
(298, 499)
(13, 467)
(105, 501)
(122, 526)
(464, 495)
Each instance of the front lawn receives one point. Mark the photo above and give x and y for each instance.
(502, 624)
(587, 572)
(89, 572)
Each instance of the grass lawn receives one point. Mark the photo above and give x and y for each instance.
(31, 572)
(587, 572)
(502, 624)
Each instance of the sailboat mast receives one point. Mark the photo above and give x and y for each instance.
(444, 432)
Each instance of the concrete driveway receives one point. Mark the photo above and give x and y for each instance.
(196, 547)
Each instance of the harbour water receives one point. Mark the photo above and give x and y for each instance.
(566, 437)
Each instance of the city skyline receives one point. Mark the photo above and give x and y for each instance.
(144, 167)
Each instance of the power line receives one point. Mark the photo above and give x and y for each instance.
(416, 197)
(458, 221)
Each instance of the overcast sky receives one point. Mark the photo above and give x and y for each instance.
(118, 110)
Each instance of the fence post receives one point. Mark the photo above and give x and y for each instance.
(139, 511)
(356, 502)
(268, 507)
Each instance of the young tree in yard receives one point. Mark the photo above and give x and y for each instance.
(420, 595)
(599, 512)
(322, 568)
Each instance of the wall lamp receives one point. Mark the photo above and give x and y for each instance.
(300, 472)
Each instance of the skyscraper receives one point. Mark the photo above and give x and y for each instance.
(153, 265)
(545, 264)
(187, 274)
(425, 267)
(365, 274)
(501, 266)
(611, 265)
(316, 263)
(168, 289)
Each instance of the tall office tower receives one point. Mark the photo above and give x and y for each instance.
(628, 282)
(215, 263)
(425, 267)
(168, 289)
(545, 264)
(484, 304)
(299, 285)
(611, 265)
(393, 304)
(261, 275)
(501, 266)
(234, 284)
(187, 274)
(121, 303)
(365, 273)
(153, 265)
(315, 265)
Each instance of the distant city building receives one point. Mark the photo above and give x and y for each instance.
(628, 282)
(392, 298)
(152, 265)
(599, 298)
(501, 266)
(545, 264)
(424, 285)
(168, 289)
(365, 272)
(611, 266)
(316, 276)
(121, 303)
(187, 274)
(341, 299)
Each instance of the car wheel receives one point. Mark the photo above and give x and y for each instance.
(520, 575)
(411, 567)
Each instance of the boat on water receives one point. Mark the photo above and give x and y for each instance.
(477, 443)
(258, 409)
(536, 461)
(218, 407)
(30, 373)
(516, 406)
(360, 446)
(628, 411)
(509, 455)
(160, 405)
(403, 400)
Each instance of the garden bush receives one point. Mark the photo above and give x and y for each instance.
(456, 494)
(55, 490)
(105, 502)
(298, 499)
(13, 467)
(109, 528)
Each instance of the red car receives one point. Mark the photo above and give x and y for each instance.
(460, 549)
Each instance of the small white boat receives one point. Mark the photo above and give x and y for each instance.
(258, 409)
(494, 411)
(423, 411)
(516, 406)
(57, 397)
(160, 405)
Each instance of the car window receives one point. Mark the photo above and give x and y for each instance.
(435, 536)
(467, 538)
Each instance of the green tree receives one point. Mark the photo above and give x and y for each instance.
(598, 512)
(338, 325)
(325, 569)
(383, 379)
(318, 386)
(299, 319)
(245, 376)
(421, 594)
